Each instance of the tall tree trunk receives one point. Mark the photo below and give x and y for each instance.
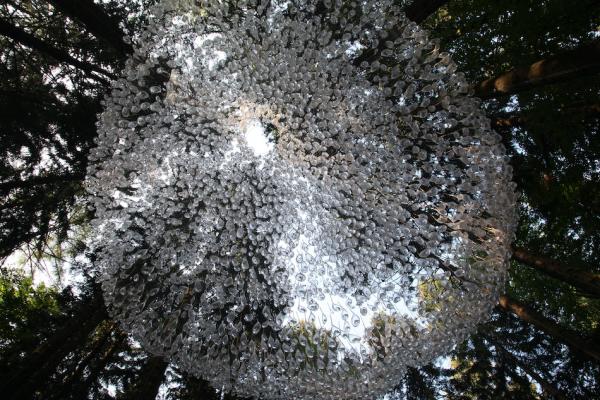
(149, 380)
(510, 121)
(513, 120)
(26, 39)
(584, 60)
(586, 282)
(567, 336)
(39, 366)
(96, 20)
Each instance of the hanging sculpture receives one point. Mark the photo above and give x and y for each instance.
(297, 199)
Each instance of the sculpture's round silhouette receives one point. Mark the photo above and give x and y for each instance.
(297, 199)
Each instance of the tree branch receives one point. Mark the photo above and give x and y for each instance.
(582, 61)
(509, 121)
(26, 39)
(149, 379)
(96, 20)
(547, 387)
(40, 180)
(39, 365)
(513, 120)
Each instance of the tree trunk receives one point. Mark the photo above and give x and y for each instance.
(584, 60)
(97, 22)
(568, 337)
(513, 120)
(584, 281)
(149, 380)
(38, 367)
(22, 37)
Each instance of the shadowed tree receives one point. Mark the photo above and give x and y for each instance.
(150, 378)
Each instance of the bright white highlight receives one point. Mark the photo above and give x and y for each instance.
(257, 139)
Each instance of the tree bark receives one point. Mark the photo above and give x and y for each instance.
(149, 380)
(586, 282)
(42, 363)
(568, 337)
(26, 39)
(584, 60)
(513, 120)
(96, 20)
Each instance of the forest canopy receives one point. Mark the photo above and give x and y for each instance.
(533, 64)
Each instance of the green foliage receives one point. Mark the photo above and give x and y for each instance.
(24, 308)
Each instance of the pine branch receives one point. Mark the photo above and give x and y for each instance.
(96, 20)
(39, 180)
(547, 387)
(581, 111)
(97, 347)
(28, 40)
(508, 121)
(149, 380)
(39, 365)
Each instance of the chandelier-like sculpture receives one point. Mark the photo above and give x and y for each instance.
(297, 199)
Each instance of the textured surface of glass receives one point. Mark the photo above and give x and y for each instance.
(293, 202)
